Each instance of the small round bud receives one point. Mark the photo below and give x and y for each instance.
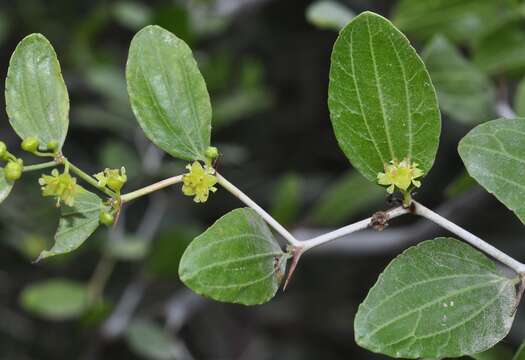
(3, 150)
(106, 218)
(52, 145)
(13, 170)
(30, 144)
(211, 152)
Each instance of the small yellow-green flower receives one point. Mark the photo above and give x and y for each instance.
(400, 174)
(112, 178)
(199, 181)
(62, 186)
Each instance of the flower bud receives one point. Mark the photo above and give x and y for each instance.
(52, 145)
(211, 152)
(13, 170)
(106, 218)
(30, 144)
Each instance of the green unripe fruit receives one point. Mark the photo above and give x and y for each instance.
(52, 146)
(211, 152)
(30, 144)
(3, 150)
(106, 218)
(13, 170)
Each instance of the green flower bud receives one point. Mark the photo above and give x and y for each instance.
(211, 152)
(13, 170)
(106, 218)
(3, 150)
(52, 146)
(30, 144)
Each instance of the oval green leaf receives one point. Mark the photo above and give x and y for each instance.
(465, 93)
(76, 224)
(5, 186)
(439, 299)
(236, 260)
(168, 93)
(382, 103)
(494, 155)
(55, 299)
(37, 101)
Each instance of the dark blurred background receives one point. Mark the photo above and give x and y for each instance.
(266, 67)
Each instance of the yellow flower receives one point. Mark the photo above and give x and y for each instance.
(400, 174)
(199, 181)
(62, 186)
(112, 178)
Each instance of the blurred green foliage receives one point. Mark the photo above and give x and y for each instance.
(266, 68)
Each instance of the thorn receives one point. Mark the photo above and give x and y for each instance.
(296, 255)
(519, 293)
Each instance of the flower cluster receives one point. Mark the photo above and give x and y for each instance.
(199, 181)
(61, 186)
(112, 178)
(401, 175)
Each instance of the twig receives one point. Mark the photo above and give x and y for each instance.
(267, 217)
(151, 188)
(349, 229)
(88, 178)
(469, 237)
(40, 166)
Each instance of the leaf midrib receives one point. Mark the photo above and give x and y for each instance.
(433, 302)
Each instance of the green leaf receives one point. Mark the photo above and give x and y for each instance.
(76, 224)
(55, 299)
(5, 186)
(36, 97)
(520, 354)
(236, 260)
(465, 20)
(502, 51)
(344, 198)
(328, 14)
(168, 93)
(149, 340)
(465, 93)
(382, 103)
(439, 299)
(494, 155)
